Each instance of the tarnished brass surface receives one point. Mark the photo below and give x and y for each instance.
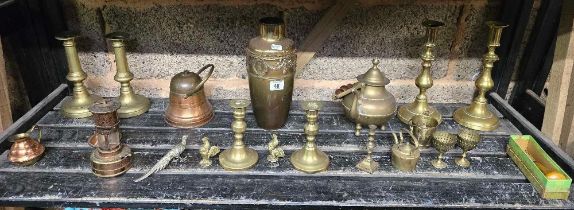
(188, 107)
(423, 127)
(467, 140)
(271, 62)
(132, 104)
(368, 164)
(368, 102)
(310, 159)
(207, 151)
(77, 105)
(424, 80)
(442, 142)
(477, 116)
(25, 150)
(239, 156)
(404, 155)
(110, 157)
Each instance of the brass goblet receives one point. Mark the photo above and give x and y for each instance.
(467, 140)
(442, 142)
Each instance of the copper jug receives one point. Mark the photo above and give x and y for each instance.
(368, 102)
(25, 150)
(188, 106)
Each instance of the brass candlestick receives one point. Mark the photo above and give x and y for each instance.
(76, 106)
(310, 159)
(477, 116)
(238, 157)
(424, 80)
(368, 164)
(131, 103)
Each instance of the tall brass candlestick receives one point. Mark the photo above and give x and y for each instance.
(368, 164)
(239, 157)
(131, 103)
(76, 106)
(424, 80)
(310, 159)
(477, 116)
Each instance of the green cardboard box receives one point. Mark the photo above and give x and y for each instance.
(525, 151)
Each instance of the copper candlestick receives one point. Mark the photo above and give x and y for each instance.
(25, 150)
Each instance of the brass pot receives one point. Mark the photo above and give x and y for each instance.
(188, 106)
(404, 155)
(25, 150)
(271, 64)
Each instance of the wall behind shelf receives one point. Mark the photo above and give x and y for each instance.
(175, 35)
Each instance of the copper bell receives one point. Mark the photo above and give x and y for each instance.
(188, 106)
(25, 150)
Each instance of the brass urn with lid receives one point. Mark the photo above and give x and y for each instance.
(368, 102)
(188, 106)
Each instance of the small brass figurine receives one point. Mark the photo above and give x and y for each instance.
(423, 126)
(76, 106)
(467, 140)
(25, 150)
(207, 151)
(424, 80)
(166, 159)
(275, 152)
(442, 142)
(404, 155)
(368, 102)
(131, 104)
(368, 164)
(477, 116)
(310, 159)
(238, 157)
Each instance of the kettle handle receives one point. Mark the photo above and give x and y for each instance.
(200, 85)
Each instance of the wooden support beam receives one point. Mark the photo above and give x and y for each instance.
(321, 32)
(5, 111)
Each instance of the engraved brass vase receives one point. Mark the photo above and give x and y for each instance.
(271, 62)
(25, 150)
(368, 102)
(188, 107)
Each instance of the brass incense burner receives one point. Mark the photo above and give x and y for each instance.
(467, 140)
(188, 106)
(404, 155)
(76, 106)
(110, 157)
(271, 61)
(239, 156)
(131, 104)
(477, 116)
(310, 159)
(424, 80)
(442, 142)
(368, 102)
(423, 126)
(25, 150)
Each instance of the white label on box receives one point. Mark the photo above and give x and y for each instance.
(276, 85)
(276, 47)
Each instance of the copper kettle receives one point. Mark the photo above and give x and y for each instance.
(368, 102)
(188, 106)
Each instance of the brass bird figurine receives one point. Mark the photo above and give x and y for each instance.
(275, 152)
(162, 163)
(207, 151)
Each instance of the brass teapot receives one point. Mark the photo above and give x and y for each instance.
(368, 102)
(404, 155)
(188, 106)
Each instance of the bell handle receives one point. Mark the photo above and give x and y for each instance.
(200, 85)
(355, 87)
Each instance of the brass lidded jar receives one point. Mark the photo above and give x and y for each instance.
(188, 106)
(271, 62)
(25, 150)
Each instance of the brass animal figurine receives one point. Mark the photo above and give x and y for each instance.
(207, 151)
(275, 152)
(166, 159)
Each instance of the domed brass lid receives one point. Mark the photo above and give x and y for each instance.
(374, 76)
(184, 82)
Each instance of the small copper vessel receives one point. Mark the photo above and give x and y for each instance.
(25, 150)
(188, 106)
(110, 157)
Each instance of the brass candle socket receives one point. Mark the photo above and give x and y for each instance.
(310, 159)
(76, 106)
(424, 80)
(238, 157)
(368, 164)
(467, 140)
(442, 142)
(477, 116)
(131, 104)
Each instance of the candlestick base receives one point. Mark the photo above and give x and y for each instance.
(407, 112)
(77, 107)
(236, 159)
(133, 105)
(484, 120)
(310, 160)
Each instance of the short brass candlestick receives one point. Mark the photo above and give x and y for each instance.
(310, 159)
(76, 106)
(424, 80)
(368, 164)
(477, 116)
(131, 103)
(238, 157)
